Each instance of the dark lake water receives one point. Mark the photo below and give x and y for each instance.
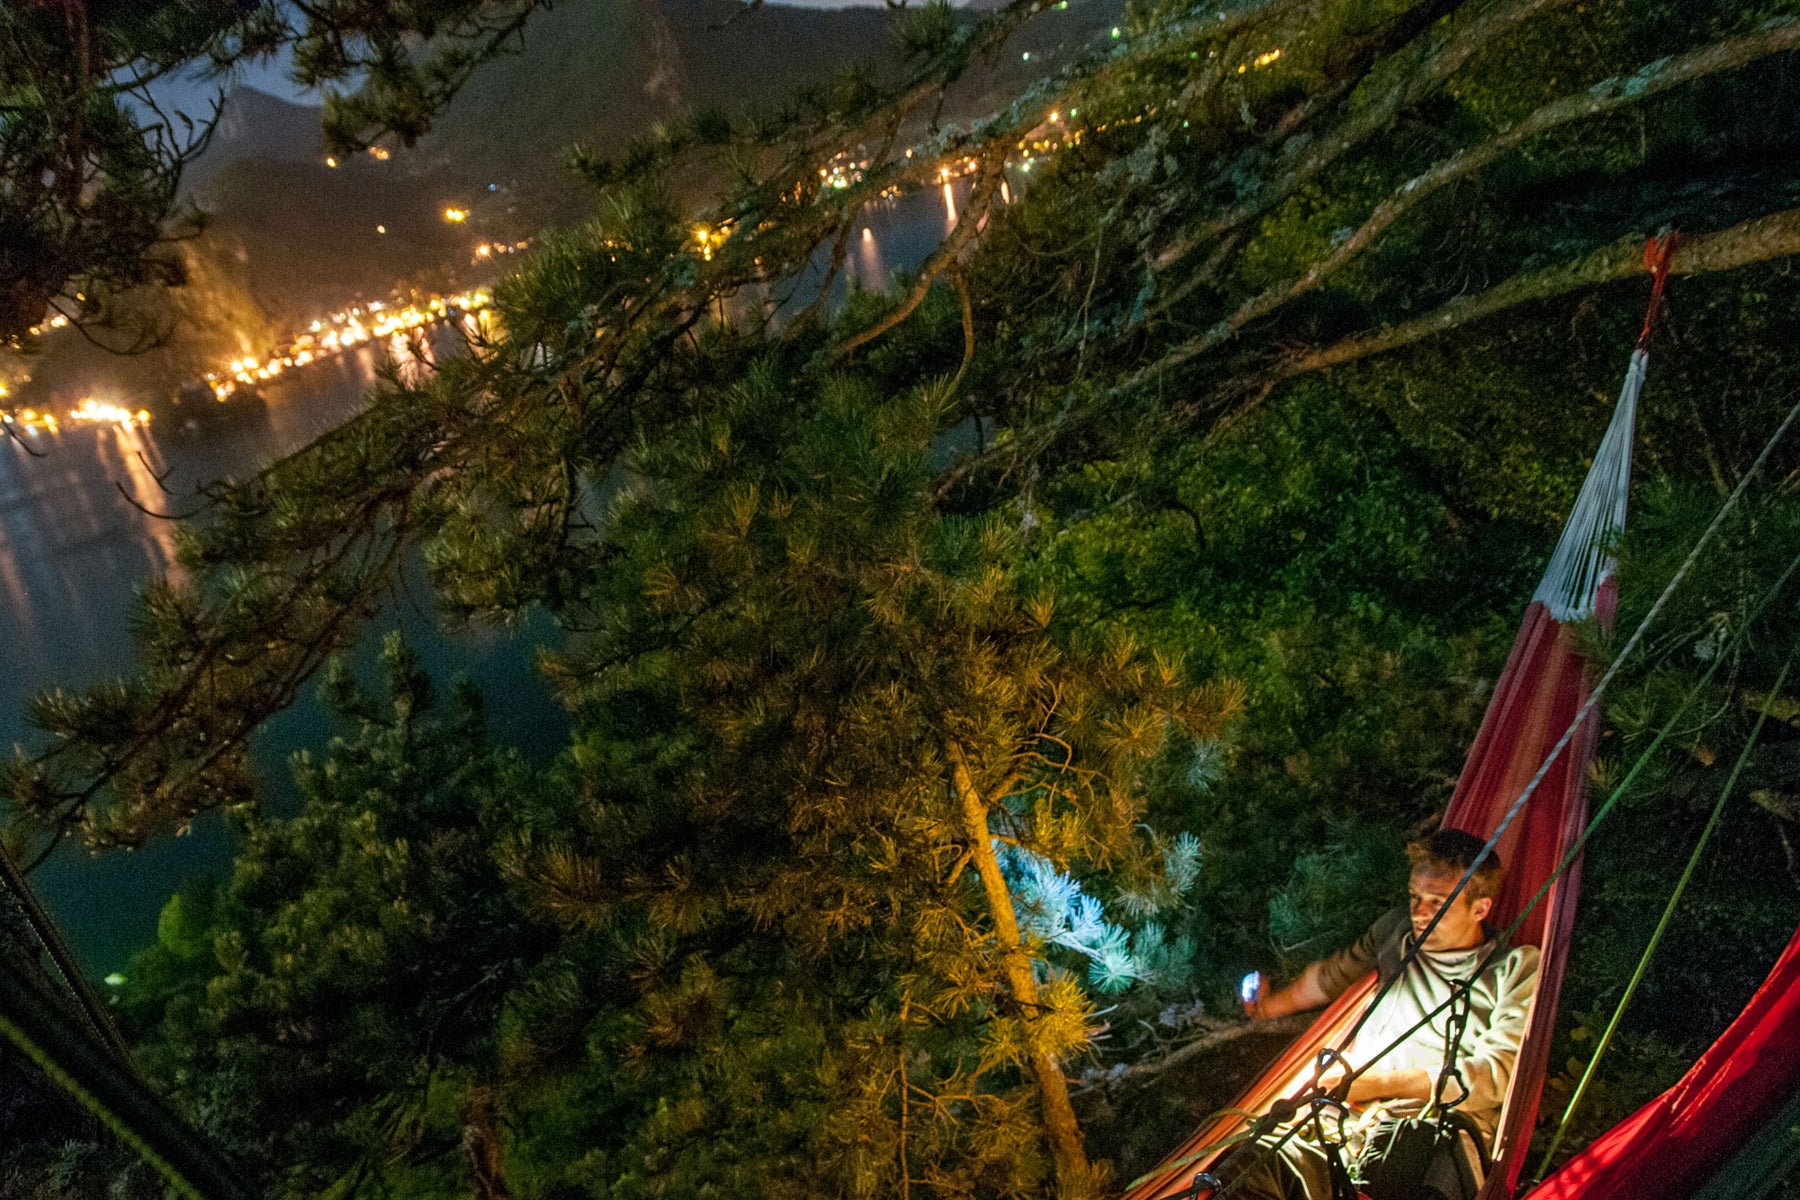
(74, 550)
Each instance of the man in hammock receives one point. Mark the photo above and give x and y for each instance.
(1394, 1069)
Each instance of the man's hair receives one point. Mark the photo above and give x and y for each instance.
(1455, 850)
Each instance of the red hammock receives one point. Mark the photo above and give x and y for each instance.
(1543, 688)
(1675, 1143)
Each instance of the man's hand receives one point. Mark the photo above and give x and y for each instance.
(1265, 1007)
(1303, 994)
(1375, 1084)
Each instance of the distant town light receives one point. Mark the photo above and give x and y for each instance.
(456, 215)
(331, 162)
(381, 229)
(380, 153)
(91, 411)
(1025, 57)
(1115, 31)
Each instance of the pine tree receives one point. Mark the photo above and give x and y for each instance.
(91, 162)
(332, 1010)
(875, 713)
(858, 751)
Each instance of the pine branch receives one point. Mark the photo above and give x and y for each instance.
(1776, 235)
(1310, 156)
(993, 169)
(961, 283)
(221, 671)
(1605, 97)
(1286, 1027)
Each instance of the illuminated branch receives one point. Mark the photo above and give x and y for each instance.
(1776, 235)
(961, 284)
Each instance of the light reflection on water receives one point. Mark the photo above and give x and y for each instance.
(74, 548)
(892, 234)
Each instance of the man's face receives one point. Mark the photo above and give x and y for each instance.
(1460, 928)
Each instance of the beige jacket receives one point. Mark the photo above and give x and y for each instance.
(1500, 1002)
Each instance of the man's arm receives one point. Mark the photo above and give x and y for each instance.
(1392, 1085)
(1327, 979)
(1306, 992)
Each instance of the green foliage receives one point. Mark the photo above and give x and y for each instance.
(183, 931)
(927, 698)
(321, 1010)
(845, 667)
(927, 30)
(1335, 893)
(90, 164)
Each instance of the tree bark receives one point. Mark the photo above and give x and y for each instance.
(481, 1142)
(1060, 1126)
(1305, 158)
(1604, 97)
(981, 197)
(1758, 240)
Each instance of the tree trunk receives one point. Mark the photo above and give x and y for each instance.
(1072, 1173)
(481, 1142)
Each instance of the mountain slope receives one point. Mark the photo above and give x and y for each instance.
(602, 72)
(305, 238)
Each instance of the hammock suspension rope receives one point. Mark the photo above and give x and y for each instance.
(1657, 257)
(1207, 1184)
(1574, 726)
(1502, 940)
(1643, 964)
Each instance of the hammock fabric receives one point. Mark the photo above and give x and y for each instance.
(1546, 683)
(1672, 1146)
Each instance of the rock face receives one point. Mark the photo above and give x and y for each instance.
(256, 125)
